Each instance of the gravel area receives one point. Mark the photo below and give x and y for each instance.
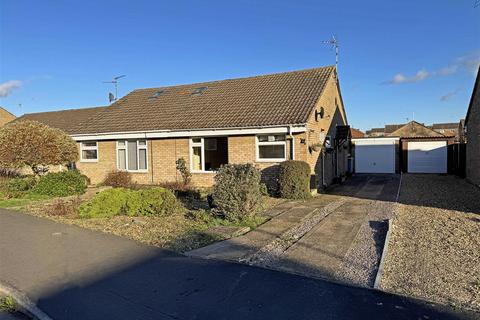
(361, 262)
(434, 249)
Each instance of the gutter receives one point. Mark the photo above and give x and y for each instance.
(289, 128)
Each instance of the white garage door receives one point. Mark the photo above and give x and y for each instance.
(427, 157)
(375, 155)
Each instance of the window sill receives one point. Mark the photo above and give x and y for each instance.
(200, 171)
(270, 160)
(88, 160)
(134, 171)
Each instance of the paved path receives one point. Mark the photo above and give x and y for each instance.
(74, 273)
(313, 238)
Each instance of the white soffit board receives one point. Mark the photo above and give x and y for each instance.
(427, 156)
(375, 155)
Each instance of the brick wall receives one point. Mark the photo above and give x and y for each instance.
(5, 117)
(318, 129)
(162, 154)
(473, 138)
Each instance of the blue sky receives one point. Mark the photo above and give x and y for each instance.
(398, 59)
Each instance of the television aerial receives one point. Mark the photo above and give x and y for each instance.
(333, 42)
(111, 97)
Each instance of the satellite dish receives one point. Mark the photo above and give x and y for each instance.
(111, 97)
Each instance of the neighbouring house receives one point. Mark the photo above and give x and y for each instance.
(5, 117)
(412, 147)
(262, 120)
(472, 126)
(454, 129)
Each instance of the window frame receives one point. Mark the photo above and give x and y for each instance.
(85, 148)
(138, 147)
(200, 144)
(259, 143)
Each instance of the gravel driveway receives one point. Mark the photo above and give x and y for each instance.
(434, 249)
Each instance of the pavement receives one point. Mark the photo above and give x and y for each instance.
(320, 249)
(74, 273)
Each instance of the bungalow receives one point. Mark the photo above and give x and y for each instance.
(262, 120)
(472, 125)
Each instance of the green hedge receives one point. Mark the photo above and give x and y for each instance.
(21, 184)
(61, 184)
(237, 191)
(294, 180)
(121, 201)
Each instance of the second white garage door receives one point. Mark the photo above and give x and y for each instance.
(427, 157)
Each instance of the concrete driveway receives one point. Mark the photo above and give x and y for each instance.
(338, 235)
(73, 273)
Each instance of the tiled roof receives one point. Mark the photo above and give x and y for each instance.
(268, 100)
(357, 133)
(415, 129)
(66, 120)
(436, 126)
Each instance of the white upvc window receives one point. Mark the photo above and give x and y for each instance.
(271, 148)
(197, 155)
(89, 151)
(132, 155)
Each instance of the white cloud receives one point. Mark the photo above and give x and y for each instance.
(467, 63)
(400, 78)
(449, 95)
(7, 87)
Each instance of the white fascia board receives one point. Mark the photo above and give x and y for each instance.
(375, 141)
(376, 138)
(189, 133)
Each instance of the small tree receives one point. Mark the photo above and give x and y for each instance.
(33, 144)
(184, 171)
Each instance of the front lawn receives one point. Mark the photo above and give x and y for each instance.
(185, 230)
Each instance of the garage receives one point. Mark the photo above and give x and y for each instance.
(427, 156)
(375, 155)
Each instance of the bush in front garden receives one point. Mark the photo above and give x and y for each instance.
(118, 179)
(21, 184)
(61, 184)
(237, 191)
(294, 180)
(122, 201)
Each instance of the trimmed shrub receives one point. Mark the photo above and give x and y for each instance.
(294, 180)
(157, 201)
(61, 184)
(236, 193)
(118, 179)
(122, 201)
(107, 203)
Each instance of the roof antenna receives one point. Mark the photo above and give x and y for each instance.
(115, 82)
(334, 43)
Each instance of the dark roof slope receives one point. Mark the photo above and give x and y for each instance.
(450, 125)
(69, 121)
(268, 100)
